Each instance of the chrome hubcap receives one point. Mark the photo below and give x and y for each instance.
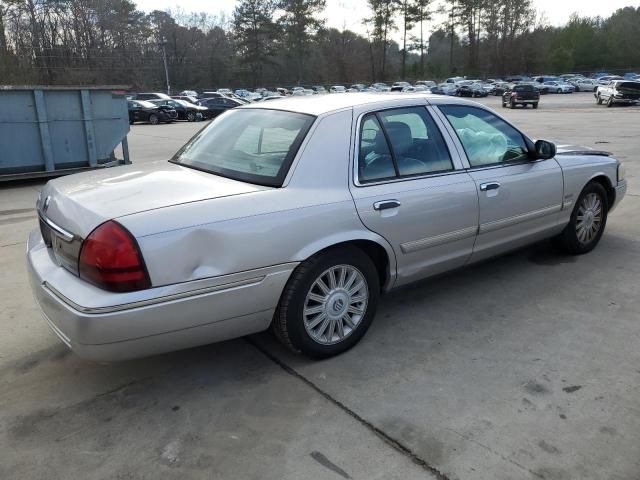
(335, 304)
(589, 219)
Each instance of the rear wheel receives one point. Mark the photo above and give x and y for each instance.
(513, 104)
(535, 105)
(587, 221)
(610, 101)
(328, 303)
(153, 119)
(191, 117)
(559, 90)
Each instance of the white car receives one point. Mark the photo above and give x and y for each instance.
(585, 84)
(338, 89)
(381, 87)
(301, 92)
(559, 87)
(426, 83)
(448, 88)
(618, 91)
(608, 78)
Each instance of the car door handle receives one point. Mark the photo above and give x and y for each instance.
(489, 186)
(386, 204)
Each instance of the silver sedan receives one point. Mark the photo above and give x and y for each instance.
(296, 216)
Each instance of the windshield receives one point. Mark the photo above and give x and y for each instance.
(250, 145)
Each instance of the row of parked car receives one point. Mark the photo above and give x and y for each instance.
(191, 106)
(157, 108)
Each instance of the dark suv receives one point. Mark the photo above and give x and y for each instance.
(521, 94)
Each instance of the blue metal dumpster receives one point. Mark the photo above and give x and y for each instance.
(51, 131)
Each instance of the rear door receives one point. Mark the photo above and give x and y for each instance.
(520, 199)
(410, 188)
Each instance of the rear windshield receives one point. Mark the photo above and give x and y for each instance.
(250, 145)
(629, 87)
(523, 88)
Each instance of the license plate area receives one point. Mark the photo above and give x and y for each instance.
(65, 253)
(46, 233)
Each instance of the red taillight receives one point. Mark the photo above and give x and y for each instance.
(110, 259)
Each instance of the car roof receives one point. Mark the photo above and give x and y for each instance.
(318, 105)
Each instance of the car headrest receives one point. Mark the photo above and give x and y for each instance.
(400, 136)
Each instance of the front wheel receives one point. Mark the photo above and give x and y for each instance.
(191, 116)
(598, 99)
(328, 303)
(153, 119)
(587, 221)
(535, 105)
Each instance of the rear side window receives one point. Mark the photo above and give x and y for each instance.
(255, 146)
(374, 161)
(401, 143)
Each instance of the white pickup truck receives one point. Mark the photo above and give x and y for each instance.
(618, 91)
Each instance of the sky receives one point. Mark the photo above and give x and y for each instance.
(350, 13)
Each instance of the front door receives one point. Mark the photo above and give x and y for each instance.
(520, 198)
(412, 191)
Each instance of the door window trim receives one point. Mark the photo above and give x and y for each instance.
(456, 160)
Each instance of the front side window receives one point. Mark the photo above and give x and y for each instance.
(399, 143)
(487, 139)
(255, 146)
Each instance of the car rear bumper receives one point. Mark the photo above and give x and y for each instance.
(626, 101)
(155, 325)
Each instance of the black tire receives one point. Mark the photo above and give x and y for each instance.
(512, 104)
(598, 99)
(568, 240)
(534, 105)
(153, 119)
(559, 90)
(504, 105)
(191, 116)
(288, 322)
(610, 101)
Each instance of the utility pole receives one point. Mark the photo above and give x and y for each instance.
(163, 44)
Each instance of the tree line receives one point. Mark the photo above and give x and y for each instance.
(285, 42)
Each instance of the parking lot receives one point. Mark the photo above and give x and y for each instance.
(523, 367)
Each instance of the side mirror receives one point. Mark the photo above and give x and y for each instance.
(545, 150)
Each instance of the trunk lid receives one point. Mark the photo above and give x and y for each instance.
(79, 203)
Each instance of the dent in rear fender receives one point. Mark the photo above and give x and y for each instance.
(248, 243)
